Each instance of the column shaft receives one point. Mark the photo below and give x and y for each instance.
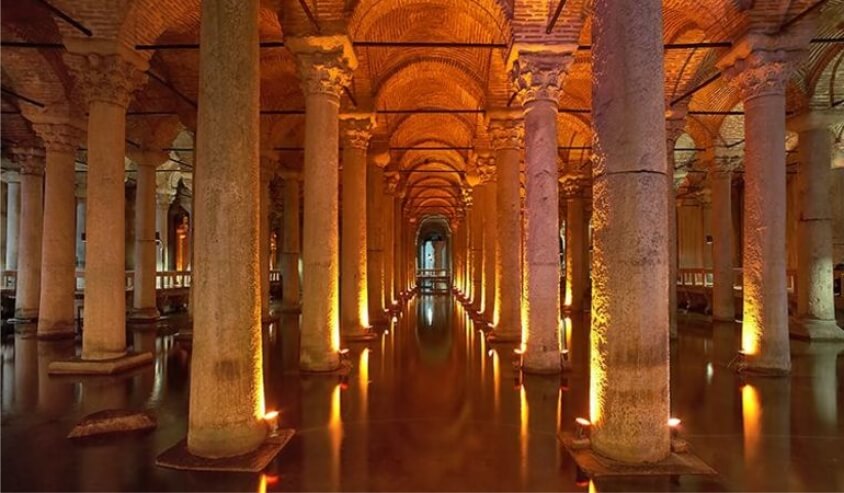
(226, 388)
(576, 253)
(58, 263)
(629, 395)
(264, 241)
(13, 200)
(28, 287)
(490, 240)
(375, 215)
(144, 296)
(81, 205)
(162, 226)
(508, 247)
(723, 298)
(477, 244)
(290, 246)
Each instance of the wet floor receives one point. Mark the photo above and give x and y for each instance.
(428, 406)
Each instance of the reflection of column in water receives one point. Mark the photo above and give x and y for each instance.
(99, 394)
(55, 397)
(143, 341)
(825, 385)
(289, 338)
(26, 373)
(540, 410)
(7, 384)
(766, 421)
(320, 400)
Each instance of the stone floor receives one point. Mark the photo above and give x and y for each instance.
(428, 406)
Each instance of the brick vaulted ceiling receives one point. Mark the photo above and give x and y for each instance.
(390, 79)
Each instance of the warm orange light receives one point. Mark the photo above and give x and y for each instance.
(674, 422)
(750, 336)
(751, 411)
(582, 422)
(271, 478)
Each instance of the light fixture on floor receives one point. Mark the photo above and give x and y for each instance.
(271, 419)
(581, 434)
(678, 445)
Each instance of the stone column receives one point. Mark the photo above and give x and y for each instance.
(269, 165)
(144, 307)
(226, 388)
(325, 67)
(356, 130)
(476, 245)
(577, 247)
(58, 262)
(30, 236)
(13, 200)
(675, 123)
(760, 76)
(815, 298)
(487, 170)
(630, 330)
(537, 77)
(377, 217)
(291, 292)
(163, 199)
(721, 186)
(391, 182)
(107, 82)
(81, 205)
(507, 133)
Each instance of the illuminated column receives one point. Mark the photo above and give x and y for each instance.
(507, 134)
(391, 182)
(629, 395)
(377, 221)
(144, 298)
(815, 298)
(58, 252)
(325, 68)
(760, 76)
(107, 83)
(290, 290)
(537, 77)
(81, 204)
(477, 241)
(577, 248)
(675, 122)
(226, 387)
(269, 165)
(13, 199)
(721, 186)
(356, 130)
(31, 233)
(490, 218)
(163, 199)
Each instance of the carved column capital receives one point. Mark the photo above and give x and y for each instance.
(506, 131)
(356, 129)
(675, 123)
(30, 160)
(573, 186)
(537, 73)
(391, 182)
(759, 65)
(11, 176)
(58, 137)
(326, 63)
(108, 78)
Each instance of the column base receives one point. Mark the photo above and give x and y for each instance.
(327, 363)
(79, 366)
(751, 368)
(359, 335)
(268, 319)
(816, 330)
(24, 317)
(178, 456)
(291, 309)
(503, 337)
(65, 330)
(544, 364)
(143, 315)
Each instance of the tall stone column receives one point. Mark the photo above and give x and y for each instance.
(815, 297)
(356, 130)
(107, 82)
(31, 230)
(537, 77)
(81, 205)
(577, 247)
(629, 395)
(226, 388)
(376, 224)
(144, 307)
(675, 123)
(507, 133)
(163, 199)
(476, 245)
(760, 75)
(269, 165)
(391, 182)
(325, 67)
(490, 191)
(721, 186)
(58, 262)
(290, 290)
(13, 200)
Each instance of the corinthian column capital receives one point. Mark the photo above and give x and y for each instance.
(391, 182)
(109, 78)
(573, 185)
(59, 137)
(356, 129)
(30, 159)
(326, 63)
(759, 65)
(537, 71)
(506, 130)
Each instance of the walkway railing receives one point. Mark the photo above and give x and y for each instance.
(433, 280)
(697, 279)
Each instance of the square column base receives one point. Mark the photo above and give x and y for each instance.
(598, 466)
(816, 330)
(178, 456)
(79, 366)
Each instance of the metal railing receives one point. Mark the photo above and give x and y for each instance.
(697, 279)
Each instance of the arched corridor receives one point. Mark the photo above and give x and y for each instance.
(422, 244)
